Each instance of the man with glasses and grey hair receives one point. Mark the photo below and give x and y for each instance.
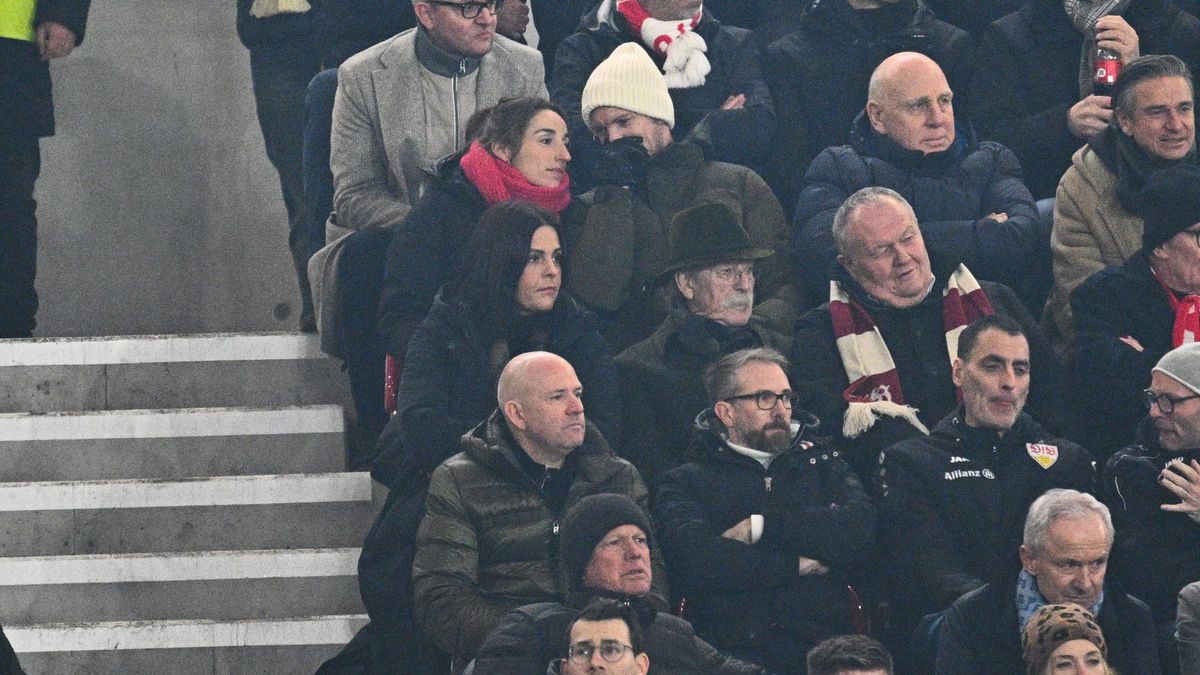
(766, 527)
(1153, 489)
(404, 103)
(1127, 317)
(1064, 557)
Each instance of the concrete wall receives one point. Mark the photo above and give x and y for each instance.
(158, 209)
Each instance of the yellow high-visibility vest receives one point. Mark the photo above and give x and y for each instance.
(16, 19)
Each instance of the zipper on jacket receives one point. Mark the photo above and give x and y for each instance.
(767, 483)
(462, 70)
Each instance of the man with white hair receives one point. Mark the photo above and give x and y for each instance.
(874, 363)
(1064, 557)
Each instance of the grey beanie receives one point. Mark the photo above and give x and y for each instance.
(1182, 364)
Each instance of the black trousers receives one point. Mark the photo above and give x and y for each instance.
(281, 76)
(20, 164)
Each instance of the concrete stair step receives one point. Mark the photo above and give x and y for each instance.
(171, 443)
(271, 647)
(213, 585)
(216, 513)
(167, 371)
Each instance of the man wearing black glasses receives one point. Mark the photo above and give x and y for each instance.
(954, 502)
(405, 102)
(764, 530)
(1128, 316)
(1153, 491)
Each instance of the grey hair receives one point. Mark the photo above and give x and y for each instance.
(720, 377)
(1061, 503)
(1139, 70)
(864, 197)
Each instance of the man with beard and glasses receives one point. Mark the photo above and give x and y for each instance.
(955, 500)
(710, 276)
(765, 529)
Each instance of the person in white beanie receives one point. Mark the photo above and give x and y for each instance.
(712, 72)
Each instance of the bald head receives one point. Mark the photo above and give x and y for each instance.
(910, 102)
(542, 403)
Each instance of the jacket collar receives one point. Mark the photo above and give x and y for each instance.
(953, 429)
(868, 142)
(439, 61)
(491, 444)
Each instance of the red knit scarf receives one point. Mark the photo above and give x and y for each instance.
(686, 65)
(636, 16)
(874, 383)
(497, 180)
(1187, 315)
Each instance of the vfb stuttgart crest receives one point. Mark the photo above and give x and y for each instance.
(1045, 455)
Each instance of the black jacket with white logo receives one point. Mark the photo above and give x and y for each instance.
(955, 501)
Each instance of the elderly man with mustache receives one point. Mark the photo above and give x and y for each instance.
(710, 276)
(767, 526)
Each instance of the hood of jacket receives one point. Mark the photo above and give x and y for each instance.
(713, 437)
(870, 143)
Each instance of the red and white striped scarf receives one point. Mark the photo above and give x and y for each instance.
(874, 383)
(686, 65)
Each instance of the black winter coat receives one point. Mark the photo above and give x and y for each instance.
(952, 193)
(1109, 375)
(662, 387)
(448, 385)
(1026, 78)
(916, 338)
(26, 105)
(818, 76)
(1157, 552)
(343, 28)
(736, 136)
(291, 29)
(8, 660)
(750, 600)
(954, 505)
(532, 636)
(980, 635)
(426, 251)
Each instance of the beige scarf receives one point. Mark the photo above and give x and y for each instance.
(262, 9)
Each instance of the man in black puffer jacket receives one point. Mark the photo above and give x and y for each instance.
(818, 74)
(605, 553)
(766, 528)
(969, 199)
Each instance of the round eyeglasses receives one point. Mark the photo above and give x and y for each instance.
(1166, 404)
(610, 650)
(766, 400)
(470, 10)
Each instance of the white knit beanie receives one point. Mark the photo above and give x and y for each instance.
(629, 80)
(1183, 365)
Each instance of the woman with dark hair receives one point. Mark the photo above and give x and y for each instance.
(518, 151)
(507, 299)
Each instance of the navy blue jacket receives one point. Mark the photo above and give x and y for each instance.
(26, 105)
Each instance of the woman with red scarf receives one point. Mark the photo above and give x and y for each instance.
(519, 151)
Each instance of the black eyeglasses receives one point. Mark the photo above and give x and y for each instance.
(610, 650)
(470, 10)
(1166, 404)
(766, 400)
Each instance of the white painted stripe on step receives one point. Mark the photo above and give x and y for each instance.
(318, 630)
(158, 493)
(172, 423)
(162, 567)
(160, 349)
